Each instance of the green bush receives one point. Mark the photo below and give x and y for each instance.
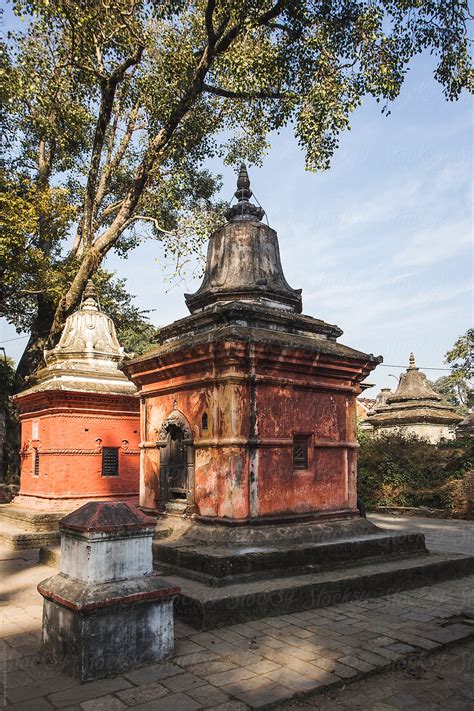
(400, 469)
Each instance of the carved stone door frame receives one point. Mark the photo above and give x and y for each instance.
(176, 419)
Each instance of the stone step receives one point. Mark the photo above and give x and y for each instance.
(30, 519)
(50, 555)
(206, 607)
(19, 537)
(219, 565)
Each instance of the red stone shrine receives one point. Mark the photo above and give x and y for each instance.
(79, 428)
(249, 449)
(249, 406)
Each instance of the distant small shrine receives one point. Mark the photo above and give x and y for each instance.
(79, 425)
(414, 408)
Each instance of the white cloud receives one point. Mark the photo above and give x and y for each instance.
(436, 182)
(430, 246)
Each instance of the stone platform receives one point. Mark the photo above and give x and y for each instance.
(22, 528)
(208, 608)
(209, 557)
(230, 574)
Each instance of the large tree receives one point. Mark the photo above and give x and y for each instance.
(110, 110)
(457, 386)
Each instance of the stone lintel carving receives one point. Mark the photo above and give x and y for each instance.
(175, 419)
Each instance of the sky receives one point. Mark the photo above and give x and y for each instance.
(381, 244)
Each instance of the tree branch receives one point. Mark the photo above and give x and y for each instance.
(211, 5)
(218, 91)
(108, 89)
(112, 162)
(155, 151)
(148, 219)
(279, 26)
(227, 39)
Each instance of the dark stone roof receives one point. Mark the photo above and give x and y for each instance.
(242, 321)
(245, 297)
(243, 260)
(102, 516)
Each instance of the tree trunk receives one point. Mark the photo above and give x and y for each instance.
(32, 357)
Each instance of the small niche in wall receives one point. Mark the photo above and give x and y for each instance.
(300, 451)
(204, 421)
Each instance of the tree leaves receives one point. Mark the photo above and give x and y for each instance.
(111, 110)
(457, 386)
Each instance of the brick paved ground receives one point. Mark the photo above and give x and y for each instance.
(243, 666)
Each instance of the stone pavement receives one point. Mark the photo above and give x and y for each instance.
(443, 681)
(245, 666)
(446, 535)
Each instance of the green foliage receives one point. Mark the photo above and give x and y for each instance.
(399, 469)
(9, 381)
(456, 388)
(134, 330)
(9, 384)
(461, 360)
(449, 390)
(110, 110)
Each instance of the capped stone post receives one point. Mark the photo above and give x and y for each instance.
(106, 610)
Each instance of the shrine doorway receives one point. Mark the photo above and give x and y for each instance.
(176, 465)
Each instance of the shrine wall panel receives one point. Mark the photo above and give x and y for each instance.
(61, 454)
(282, 411)
(282, 489)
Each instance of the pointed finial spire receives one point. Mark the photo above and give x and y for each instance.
(244, 210)
(243, 192)
(412, 361)
(90, 297)
(90, 292)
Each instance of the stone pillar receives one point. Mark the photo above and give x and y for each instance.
(106, 610)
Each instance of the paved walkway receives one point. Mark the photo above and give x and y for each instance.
(444, 535)
(244, 666)
(443, 681)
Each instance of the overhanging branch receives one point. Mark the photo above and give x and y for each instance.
(218, 91)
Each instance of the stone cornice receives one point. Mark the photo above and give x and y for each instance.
(237, 355)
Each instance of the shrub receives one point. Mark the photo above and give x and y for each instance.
(400, 469)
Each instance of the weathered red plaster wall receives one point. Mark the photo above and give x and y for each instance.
(283, 411)
(244, 460)
(69, 440)
(221, 472)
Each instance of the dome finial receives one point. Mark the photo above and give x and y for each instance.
(90, 292)
(243, 192)
(244, 210)
(412, 361)
(90, 297)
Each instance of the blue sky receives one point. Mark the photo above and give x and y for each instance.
(381, 244)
